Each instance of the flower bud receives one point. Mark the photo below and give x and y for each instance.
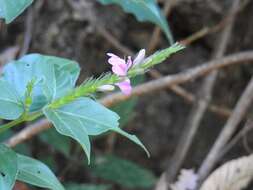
(106, 88)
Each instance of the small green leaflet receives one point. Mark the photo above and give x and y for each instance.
(18, 167)
(85, 117)
(54, 77)
(10, 104)
(36, 173)
(123, 172)
(8, 167)
(10, 9)
(144, 10)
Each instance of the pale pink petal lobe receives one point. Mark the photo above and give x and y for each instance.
(125, 87)
(120, 69)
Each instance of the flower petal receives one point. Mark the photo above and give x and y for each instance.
(120, 69)
(114, 59)
(125, 86)
(140, 57)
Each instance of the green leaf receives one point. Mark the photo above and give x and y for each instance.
(74, 186)
(66, 73)
(8, 167)
(11, 106)
(123, 172)
(10, 9)
(57, 141)
(144, 10)
(36, 173)
(85, 117)
(53, 77)
(67, 124)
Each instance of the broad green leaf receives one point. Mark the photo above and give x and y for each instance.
(54, 77)
(10, 9)
(36, 173)
(66, 73)
(11, 106)
(123, 172)
(66, 123)
(8, 167)
(74, 186)
(144, 10)
(57, 141)
(85, 117)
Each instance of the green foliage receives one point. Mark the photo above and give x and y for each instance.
(35, 85)
(10, 103)
(36, 173)
(10, 9)
(123, 172)
(74, 186)
(48, 87)
(8, 167)
(18, 167)
(144, 10)
(53, 77)
(85, 117)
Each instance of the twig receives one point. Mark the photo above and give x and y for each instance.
(146, 88)
(191, 98)
(29, 132)
(195, 36)
(247, 127)
(239, 112)
(199, 108)
(113, 40)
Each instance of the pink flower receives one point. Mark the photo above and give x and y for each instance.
(121, 66)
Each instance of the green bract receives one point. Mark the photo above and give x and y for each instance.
(144, 10)
(10, 9)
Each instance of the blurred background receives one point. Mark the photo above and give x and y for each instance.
(85, 30)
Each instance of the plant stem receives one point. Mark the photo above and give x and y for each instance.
(22, 119)
(11, 124)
